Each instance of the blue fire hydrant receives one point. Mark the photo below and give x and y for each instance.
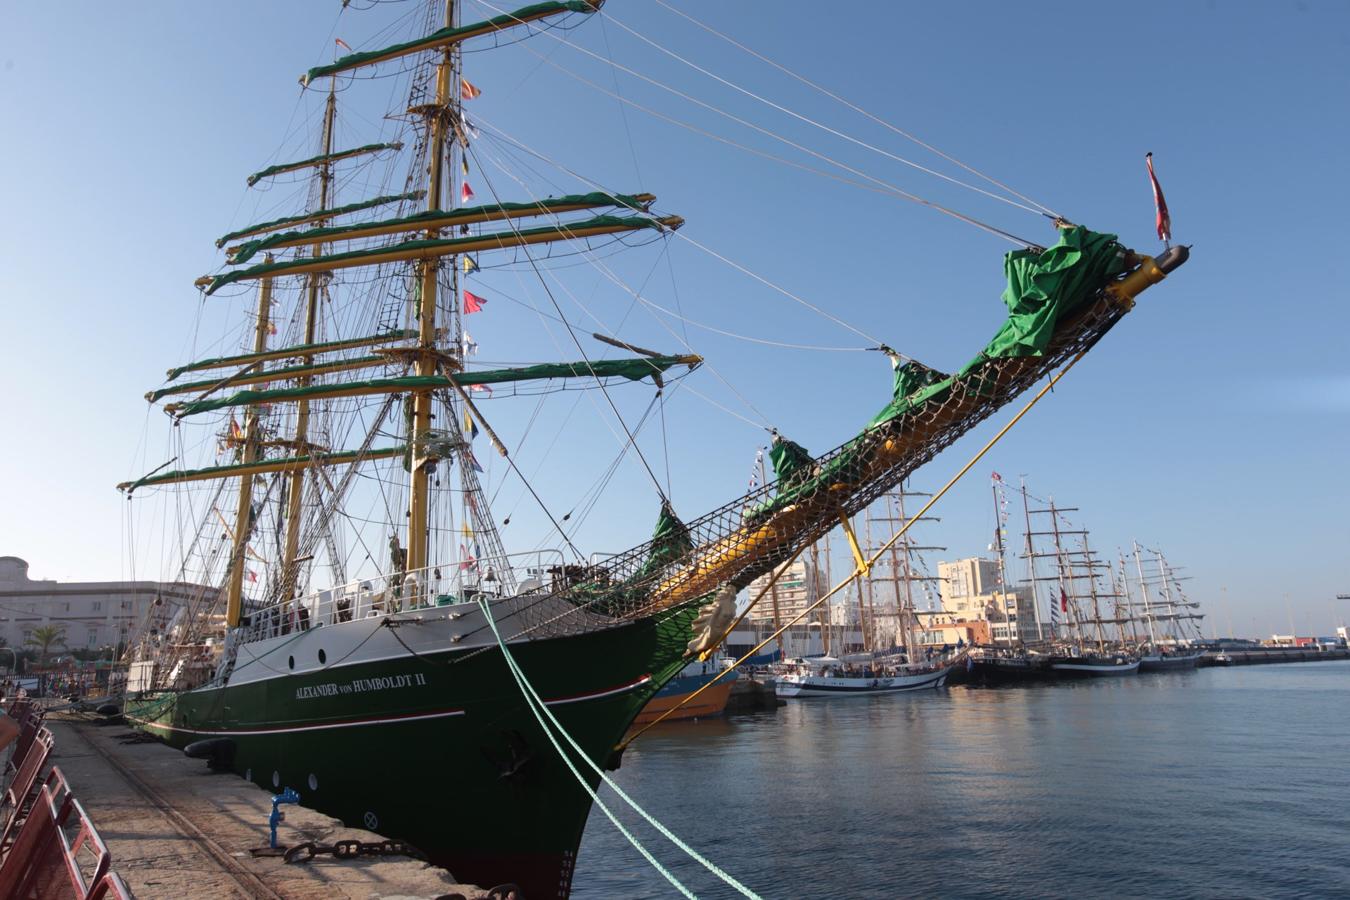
(287, 796)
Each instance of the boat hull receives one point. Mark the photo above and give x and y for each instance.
(1074, 667)
(1169, 663)
(1018, 670)
(439, 748)
(712, 702)
(802, 686)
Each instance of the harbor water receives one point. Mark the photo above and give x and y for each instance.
(1209, 783)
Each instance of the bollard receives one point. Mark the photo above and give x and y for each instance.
(287, 796)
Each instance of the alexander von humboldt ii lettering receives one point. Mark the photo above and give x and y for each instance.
(339, 449)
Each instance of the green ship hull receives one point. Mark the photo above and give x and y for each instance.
(440, 749)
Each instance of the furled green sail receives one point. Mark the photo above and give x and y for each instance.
(318, 160)
(331, 213)
(445, 246)
(442, 218)
(447, 36)
(632, 369)
(218, 362)
(791, 461)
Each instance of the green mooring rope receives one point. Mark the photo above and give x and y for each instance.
(537, 704)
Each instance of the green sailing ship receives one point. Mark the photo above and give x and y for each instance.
(320, 689)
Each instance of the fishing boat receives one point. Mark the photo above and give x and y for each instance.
(699, 691)
(834, 677)
(447, 691)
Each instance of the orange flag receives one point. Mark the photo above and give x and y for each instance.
(468, 91)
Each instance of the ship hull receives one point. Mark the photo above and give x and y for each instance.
(1084, 667)
(438, 748)
(1170, 663)
(1017, 670)
(801, 686)
(712, 702)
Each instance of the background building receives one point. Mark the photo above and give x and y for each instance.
(92, 615)
(793, 593)
(973, 592)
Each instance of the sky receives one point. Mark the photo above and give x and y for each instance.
(1212, 423)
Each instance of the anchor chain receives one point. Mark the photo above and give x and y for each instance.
(350, 849)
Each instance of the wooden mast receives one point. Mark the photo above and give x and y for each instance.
(438, 115)
(243, 520)
(290, 575)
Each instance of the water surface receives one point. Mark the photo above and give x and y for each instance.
(1213, 783)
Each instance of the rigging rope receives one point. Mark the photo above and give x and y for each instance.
(858, 109)
(537, 705)
(814, 123)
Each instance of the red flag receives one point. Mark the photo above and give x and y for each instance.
(343, 44)
(252, 575)
(465, 193)
(1164, 218)
(995, 477)
(473, 303)
(1063, 601)
(468, 91)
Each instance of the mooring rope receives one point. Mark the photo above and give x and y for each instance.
(536, 704)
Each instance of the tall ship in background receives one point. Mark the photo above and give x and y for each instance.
(361, 609)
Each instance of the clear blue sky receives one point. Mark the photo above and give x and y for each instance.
(1213, 422)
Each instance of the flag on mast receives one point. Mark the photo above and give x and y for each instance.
(343, 44)
(467, 90)
(470, 426)
(473, 303)
(1164, 220)
(465, 193)
(469, 263)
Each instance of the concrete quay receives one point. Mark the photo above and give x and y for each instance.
(176, 830)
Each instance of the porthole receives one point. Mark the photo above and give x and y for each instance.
(290, 661)
(276, 779)
(323, 657)
(248, 774)
(313, 782)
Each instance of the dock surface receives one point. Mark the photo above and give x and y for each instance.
(176, 830)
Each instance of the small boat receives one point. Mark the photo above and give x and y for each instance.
(827, 676)
(1093, 665)
(1159, 660)
(696, 675)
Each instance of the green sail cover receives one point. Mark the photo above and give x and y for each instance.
(217, 362)
(342, 456)
(632, 369)
(274, 374)
(444, 35)
(319, 214)
(1042, 287)
(507, 238)
(316, 160)
(791, 461)
(250, 249)
(670, 541)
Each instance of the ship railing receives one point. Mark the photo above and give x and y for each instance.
(427, 588)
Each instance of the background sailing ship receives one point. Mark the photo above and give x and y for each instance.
(359, 592)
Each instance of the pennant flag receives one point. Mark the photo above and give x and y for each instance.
(1160, 203)
(465, 530)
(236, 432)
(472, 129)
(469, 263)
(1063, 600)
(465, 193)
(252, 575)
(467, 561)
(468, 91)
(480, 387)
(473, 460)
(473, 503)
(473, 303)
(470, 426)
(464, 165)
(995, 477)
(343, 44)
(469, 345)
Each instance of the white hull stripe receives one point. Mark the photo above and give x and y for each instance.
(355, 723)
(351, 723)
(596, 696)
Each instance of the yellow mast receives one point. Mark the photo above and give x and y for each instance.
(438, 115)
(295, 499)
(243, 520)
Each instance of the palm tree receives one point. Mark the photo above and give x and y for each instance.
(44, 636)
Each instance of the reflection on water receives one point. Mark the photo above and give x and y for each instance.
(1215, 783)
